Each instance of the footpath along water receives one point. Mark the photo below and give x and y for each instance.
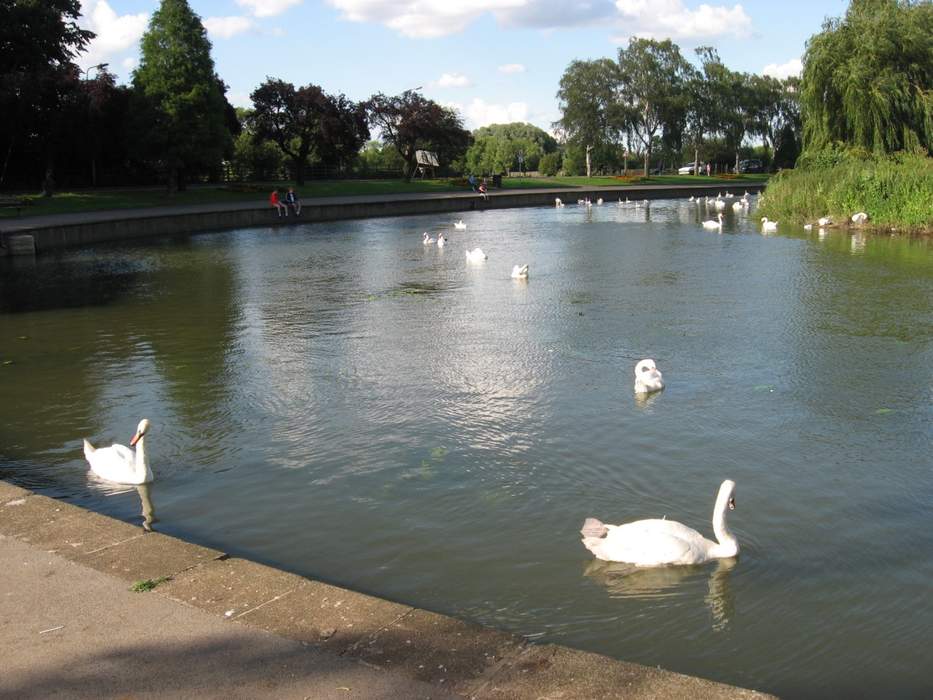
(349, 404)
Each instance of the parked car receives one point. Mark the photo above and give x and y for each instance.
(688, 169)
(752, 165)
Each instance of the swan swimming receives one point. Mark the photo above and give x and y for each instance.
(441, 240)
(120, 464)
(661, 542)
(738, 205)
(426, 239)
(460, 226)
(647, 377)
(475, 255)
(520, 272)
(713, 224)
(558, 203)
(768, 225)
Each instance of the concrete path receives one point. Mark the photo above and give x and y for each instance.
(222, 627)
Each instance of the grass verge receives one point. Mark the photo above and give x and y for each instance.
(895, 191)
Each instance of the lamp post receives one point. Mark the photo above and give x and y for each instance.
(100, 67)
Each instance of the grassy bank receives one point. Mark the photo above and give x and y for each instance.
(895, 191)
(134, 198)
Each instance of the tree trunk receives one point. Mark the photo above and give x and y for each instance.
(299, 164)
(647, 159)
(736, 162)
(589, 168)
(48, 183)
(696, 160)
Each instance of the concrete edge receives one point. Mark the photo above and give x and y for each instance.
(72, 230)
(472, 661)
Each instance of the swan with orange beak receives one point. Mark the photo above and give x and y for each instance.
(118, 463)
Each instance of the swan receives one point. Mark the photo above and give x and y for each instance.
(120, 464)
(720, 204)
(599, 201)
(426, 239)
(859, 218)
(824, 221)
(460, 226)
(713, 224)
(691, 199)
(441, 240)
(738, 205)
(660, 542)
(475, 255)
(558, 203)
(808, 227)
(647, 377)
(520, 272)
(768, 225)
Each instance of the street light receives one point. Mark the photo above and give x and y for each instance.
(87, 71)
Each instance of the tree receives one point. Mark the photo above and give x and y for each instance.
(591, 112)
(180, 98)
(38, 41)
(411, 123)
(496, 148)
(652, 77)
(868, 78)
(306, 121)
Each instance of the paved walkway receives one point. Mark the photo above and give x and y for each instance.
(223, 627)
(570, 194)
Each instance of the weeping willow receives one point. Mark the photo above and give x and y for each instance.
(868, 79)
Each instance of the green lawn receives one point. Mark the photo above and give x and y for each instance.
(130, 198)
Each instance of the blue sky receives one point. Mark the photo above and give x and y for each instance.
(494, 60)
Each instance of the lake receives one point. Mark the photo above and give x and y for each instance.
(346, 403)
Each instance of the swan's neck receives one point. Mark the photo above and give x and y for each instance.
(728, 545)
(142, 462)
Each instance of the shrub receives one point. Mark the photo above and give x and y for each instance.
(550, 164)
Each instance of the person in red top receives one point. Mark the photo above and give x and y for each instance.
(274, 201)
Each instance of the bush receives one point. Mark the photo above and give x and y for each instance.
(550, 164)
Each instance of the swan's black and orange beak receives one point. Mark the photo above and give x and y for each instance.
(135, 439)
(732, 504)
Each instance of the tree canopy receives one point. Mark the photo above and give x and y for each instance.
(500, 148)
(868, 78)
(592, 115)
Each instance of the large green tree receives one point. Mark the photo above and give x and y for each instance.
(591, 114)
(181, 104)
(411, 122)
(500, 148)
(653, 78)
(868, 78)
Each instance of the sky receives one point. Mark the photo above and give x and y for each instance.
(495, 61)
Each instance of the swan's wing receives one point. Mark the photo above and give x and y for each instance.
(649, 543)
(114, 463)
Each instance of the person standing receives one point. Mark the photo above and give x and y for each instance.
(292, 201)
(707, 170)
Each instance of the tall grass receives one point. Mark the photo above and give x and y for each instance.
(896, 191)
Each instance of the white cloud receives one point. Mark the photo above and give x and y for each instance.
(129, 64)
(783, 70)
(665, 19)
(456, 80)
(227, 27)
(239, 99)
(512, 68)
(267, 8)
(481, 113)
(115, 33)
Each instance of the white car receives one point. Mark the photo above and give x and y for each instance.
(688, 169)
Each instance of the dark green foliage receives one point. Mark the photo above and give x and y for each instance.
(550, 164)
(868, 79)
(592, 114)
(180, 106)
(496, 148)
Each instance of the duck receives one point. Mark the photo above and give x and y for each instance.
(859, 218)
(712, 223)
(647, 377)
(426, 239)
(768, 225)
(661, 542)
(460, 226)
(520, 272)
(475, 255)
(118, 463)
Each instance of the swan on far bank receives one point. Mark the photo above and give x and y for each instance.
(120, 464)
(647, 377)
(859, 218)
(661, 542)
(520, 272)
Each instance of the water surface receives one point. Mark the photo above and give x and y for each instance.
(349, 404)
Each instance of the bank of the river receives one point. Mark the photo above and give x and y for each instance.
(896, 192)
(44, 233)
(216, 626)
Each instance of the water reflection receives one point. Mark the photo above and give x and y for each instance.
(628, 581)
(148, 512)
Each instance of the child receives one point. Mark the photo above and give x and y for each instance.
(482, 189)
(274, 201)
(292, 201)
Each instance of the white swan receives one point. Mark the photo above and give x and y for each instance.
(599, 201)
(441, 240)
(120, 464)
(768, 225)
(520, 272)
(475, 255)
(426, 239)
(558, 203)
(460, 226)
(647, 377)
(824, 221)
(713, 224)
(738, 205)
(808, 227)
(662, 542)
(859, 218)
(720, 204)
